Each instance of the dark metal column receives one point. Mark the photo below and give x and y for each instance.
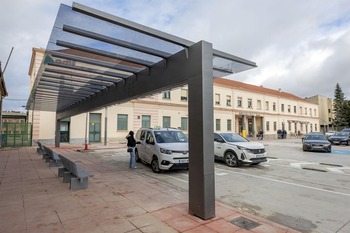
(57, 133)
(201, 136)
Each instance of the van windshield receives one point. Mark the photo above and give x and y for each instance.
(168, 136)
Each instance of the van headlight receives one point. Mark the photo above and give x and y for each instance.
(165, 151)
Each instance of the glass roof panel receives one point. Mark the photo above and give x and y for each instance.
(91, 51)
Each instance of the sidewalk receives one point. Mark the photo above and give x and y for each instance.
(34, 199)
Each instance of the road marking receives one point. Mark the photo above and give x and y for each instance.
(337, 169)
(290, 183)
(221, 173)
(298, 165)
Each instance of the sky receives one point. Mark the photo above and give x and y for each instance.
(301, 47)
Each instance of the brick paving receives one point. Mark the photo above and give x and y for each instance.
(34, 199)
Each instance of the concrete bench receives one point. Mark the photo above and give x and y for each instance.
(51, 157)
(71, 172)
(40, 148)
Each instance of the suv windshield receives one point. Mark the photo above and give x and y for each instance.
(232, 137)
(169, 136)
(341, 134)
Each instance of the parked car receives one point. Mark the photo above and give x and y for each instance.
(340, 138)
(346, 130)
(163, 148)
(329, 133)
(236, 150)
(311, 133)
(316, 142)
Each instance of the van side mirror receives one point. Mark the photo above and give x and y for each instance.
(219, 140)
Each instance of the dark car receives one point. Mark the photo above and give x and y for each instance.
(346, 130)
(316, 142)
(340, 138)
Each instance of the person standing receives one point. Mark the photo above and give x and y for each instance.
(131, 148)
(261, 134)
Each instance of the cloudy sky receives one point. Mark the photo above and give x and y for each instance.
(302, 47)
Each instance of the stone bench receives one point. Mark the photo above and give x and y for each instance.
(51, 157)
(40, 148)
(71, 172)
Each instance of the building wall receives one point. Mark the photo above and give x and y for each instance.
(256, 111)
(325, 106)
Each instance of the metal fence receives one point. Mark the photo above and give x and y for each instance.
(16, 134)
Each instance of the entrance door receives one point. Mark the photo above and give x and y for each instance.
(95, 127)
(64, 131)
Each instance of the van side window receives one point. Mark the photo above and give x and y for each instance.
(149, 138)
(143, 135)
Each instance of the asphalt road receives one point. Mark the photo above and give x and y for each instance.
(306, 191)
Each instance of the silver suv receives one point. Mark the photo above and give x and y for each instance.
(163, 148)
(236, 150)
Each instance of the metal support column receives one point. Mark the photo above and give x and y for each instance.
(201, 136)
(106, 112)
(57, 133)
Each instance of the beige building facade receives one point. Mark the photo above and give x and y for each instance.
(238, 107)
(326, 112)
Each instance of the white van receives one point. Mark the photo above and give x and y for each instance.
(163, 148)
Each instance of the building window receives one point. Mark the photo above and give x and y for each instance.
(217, 124)
(316, 127)
(122, 122)
(329, 111)
(239, 102)
(166, 94)
(217, 99)
(250, 103)
(305, 111)
(228, 100)
(295, 109)
(267, 106)
(258, 104)
(184, 123)
(289, 126)
(146, 121)
(166, 121)
(229, 125)
(289, 109)
(267, 125)
(310, 111)
(274, 126)
(282, 107)
(315, 113)
(301, 110)
(184, 94)
(274, 107)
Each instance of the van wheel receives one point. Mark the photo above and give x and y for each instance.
(137, 158)
(155, 165)
(231, 159)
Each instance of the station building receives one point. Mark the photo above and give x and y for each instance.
(238, 107)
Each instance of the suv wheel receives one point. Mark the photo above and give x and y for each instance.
(231, 159)
(155, 165)
(137, 158)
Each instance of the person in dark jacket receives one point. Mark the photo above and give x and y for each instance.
(131, 148)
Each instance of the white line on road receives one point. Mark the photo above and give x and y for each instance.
(289, 183)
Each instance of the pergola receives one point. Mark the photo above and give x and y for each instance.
(94, 59)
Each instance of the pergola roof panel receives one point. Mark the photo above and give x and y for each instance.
(90, 52)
